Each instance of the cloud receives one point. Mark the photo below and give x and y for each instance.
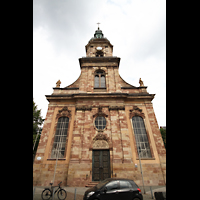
(136, 28)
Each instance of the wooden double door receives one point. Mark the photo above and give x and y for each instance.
(100, 165)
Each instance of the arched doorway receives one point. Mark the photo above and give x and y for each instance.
(100, 159)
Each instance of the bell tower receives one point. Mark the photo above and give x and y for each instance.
(99, 46)
(99, 67)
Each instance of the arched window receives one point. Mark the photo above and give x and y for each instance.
(99, 54)
(100, 79)
(59, 144)
(141, 137)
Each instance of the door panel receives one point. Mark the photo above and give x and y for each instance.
(126, 190)
(96, 163)
(100, 165)
(106, 164)
(112, 191)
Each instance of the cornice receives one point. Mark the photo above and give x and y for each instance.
(133, 87)
(102, 95)
(72, 88)
(108, 60)
(103, 40)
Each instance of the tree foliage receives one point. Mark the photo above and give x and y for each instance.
(163, 133)
(37, 123)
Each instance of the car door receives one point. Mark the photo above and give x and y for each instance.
(125, 190)
(111, 191)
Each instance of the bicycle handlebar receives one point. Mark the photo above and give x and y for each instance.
(59, 183)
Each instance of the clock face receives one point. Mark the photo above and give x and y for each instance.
(99, 48)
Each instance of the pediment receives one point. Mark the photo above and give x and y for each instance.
(136, 112)
(64, 112)
(100, 136)
(101, 141)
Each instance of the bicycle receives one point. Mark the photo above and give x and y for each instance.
(47, 192)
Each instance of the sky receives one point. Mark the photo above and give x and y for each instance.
(135, 28)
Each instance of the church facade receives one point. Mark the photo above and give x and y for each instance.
(99, 126)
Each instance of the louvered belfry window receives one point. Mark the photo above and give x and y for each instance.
(141, 137)
(59, 144)
(100, 79)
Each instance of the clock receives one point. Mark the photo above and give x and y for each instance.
(99, 48)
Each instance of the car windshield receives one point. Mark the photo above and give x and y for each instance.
(101, 184)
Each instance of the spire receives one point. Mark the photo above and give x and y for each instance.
(98, 33)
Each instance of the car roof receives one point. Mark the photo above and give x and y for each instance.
(115, 178)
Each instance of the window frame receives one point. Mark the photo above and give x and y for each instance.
(100, 125)
(111, 182)
(126, 181)
(142, 138)
(100, 74)
(60, 138)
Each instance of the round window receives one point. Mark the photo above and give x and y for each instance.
(100, 122)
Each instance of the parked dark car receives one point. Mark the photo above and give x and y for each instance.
(114, 189)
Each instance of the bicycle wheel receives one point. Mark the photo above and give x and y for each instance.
(62, 194)
(46, 194)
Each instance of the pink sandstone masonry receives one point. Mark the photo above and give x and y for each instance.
(82, 103)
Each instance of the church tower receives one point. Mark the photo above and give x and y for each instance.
(98, 126)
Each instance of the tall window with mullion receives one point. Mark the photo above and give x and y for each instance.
(141, 137)
(59, 144)
(100, 79)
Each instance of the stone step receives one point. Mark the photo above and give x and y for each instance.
(92, 184)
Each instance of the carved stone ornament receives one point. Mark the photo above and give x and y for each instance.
(100, 113)
(116, 107)
(100, 136)
(141, 82)
(58, 83)
(65, 112)
(100, 144)
(136, 112)
(100, 141)
(84, 108)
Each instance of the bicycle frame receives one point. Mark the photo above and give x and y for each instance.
(52, 187)
(56, 190)
(53, 191)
